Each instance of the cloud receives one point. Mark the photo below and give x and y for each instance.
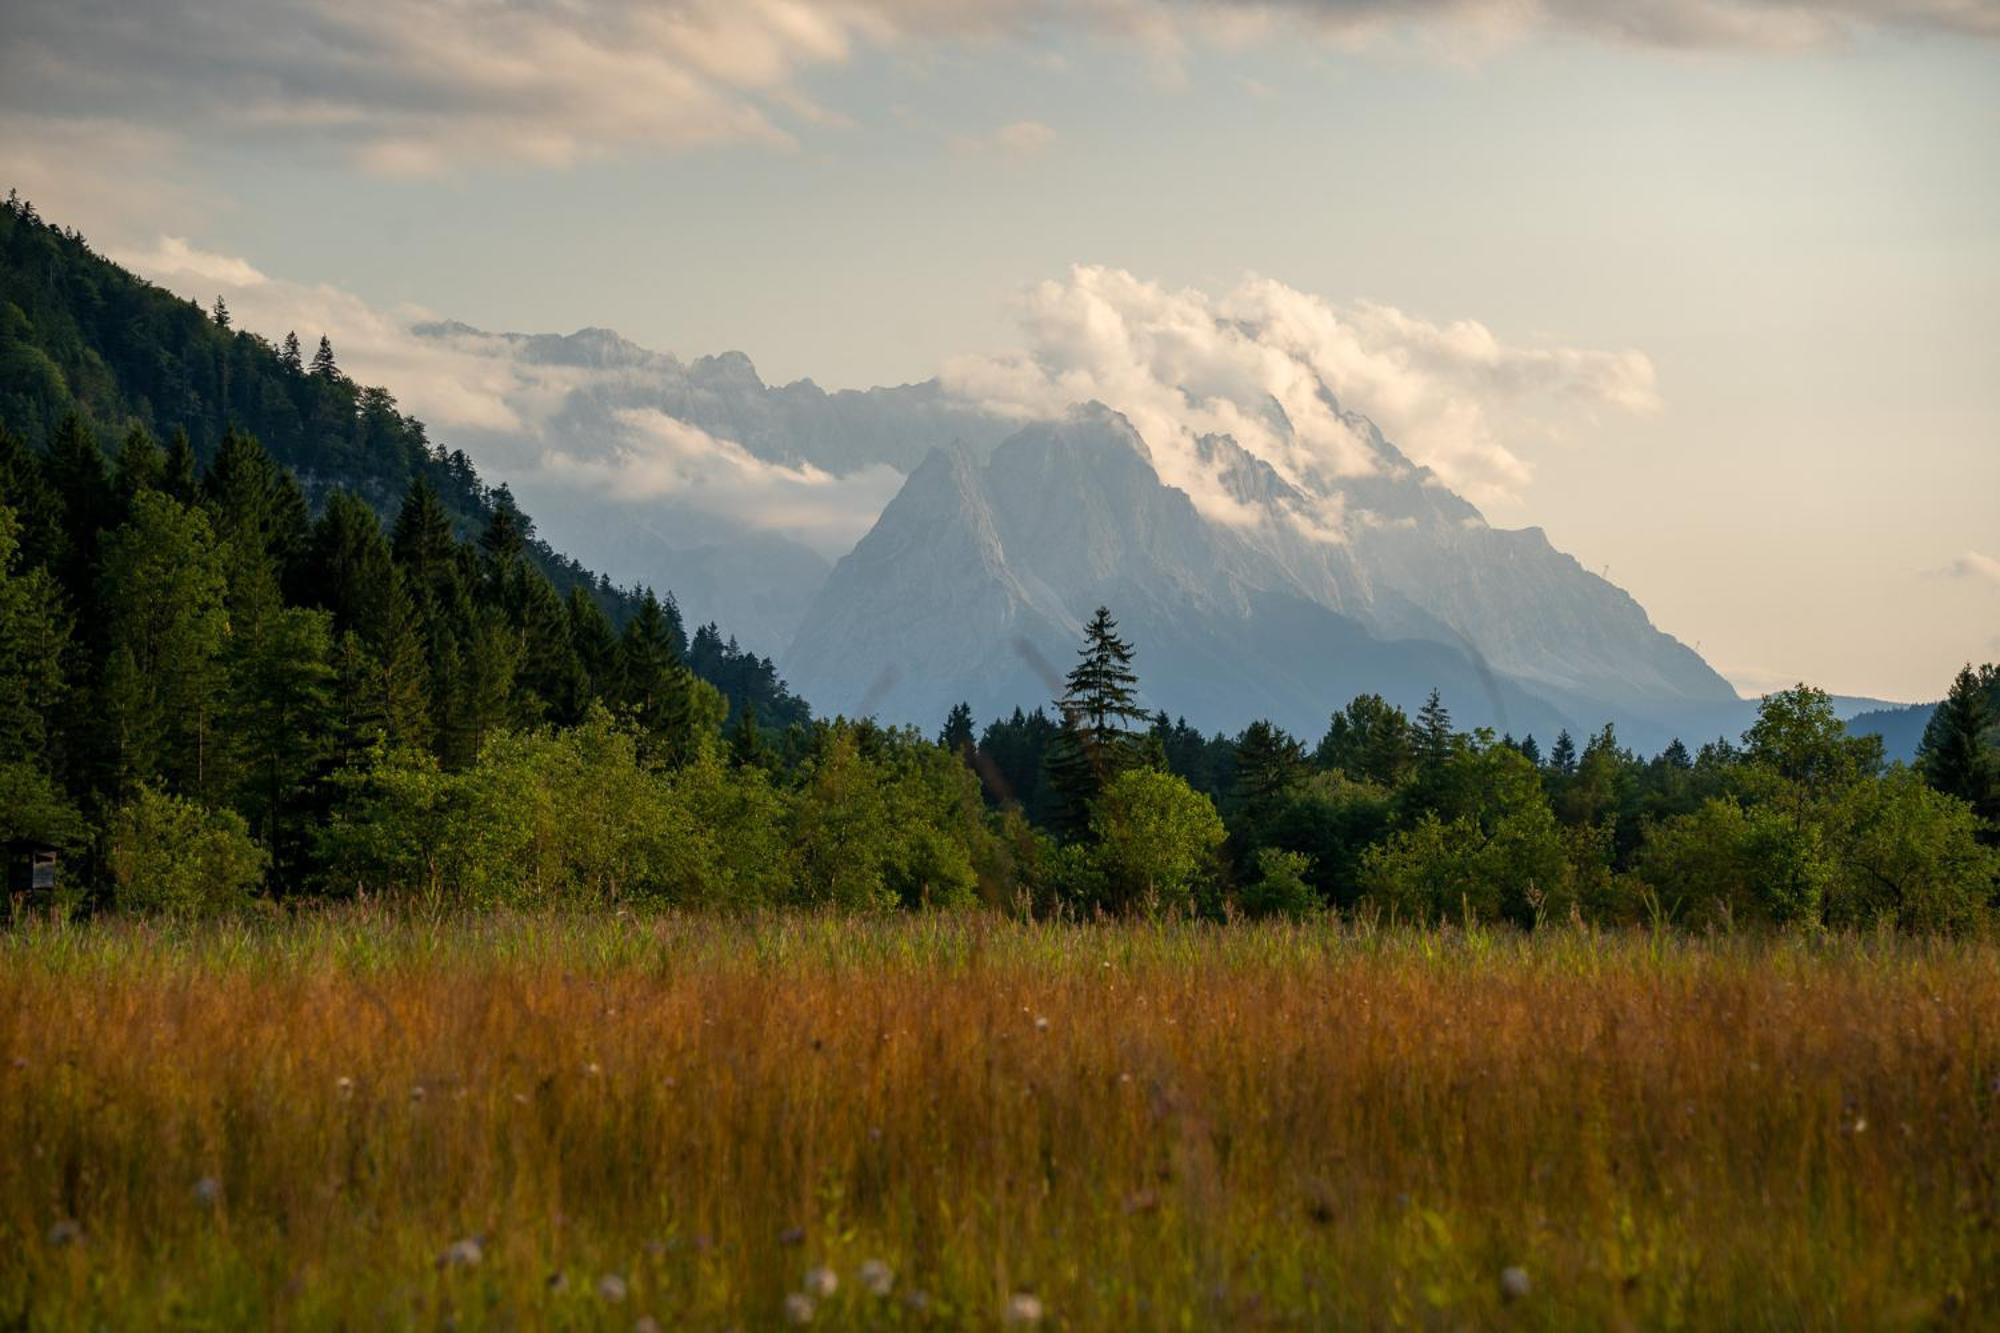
(1022, 138)
(547, 427)
(1288, 375)
(419, 87)
(1976, 566)
(658, 457)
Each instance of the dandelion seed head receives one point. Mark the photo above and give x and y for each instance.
(611, 1289)
(875, 1277)
(464, 1253)
(1024, 1309)
(821, 1282)
(798, 1308)
(1514, 1284)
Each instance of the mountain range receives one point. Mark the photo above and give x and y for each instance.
(1002, 535)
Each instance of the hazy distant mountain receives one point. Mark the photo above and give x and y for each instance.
(976, 580)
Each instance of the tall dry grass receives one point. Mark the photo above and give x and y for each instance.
(290, 1126)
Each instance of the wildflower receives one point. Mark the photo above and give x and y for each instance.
(592, 1069)
(1514, 1284)
(821, 1282)
(65, 1232)
(208, 1191)
(1024, 1309)
(798, 1308)
(792, 1236)
(1041, 1024)
(344, 1086)
(463, 1254)
(611, 1289)
(875, 1277)
(646, 1324)
(417, 1093)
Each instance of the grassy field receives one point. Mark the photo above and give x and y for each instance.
(366, 1121)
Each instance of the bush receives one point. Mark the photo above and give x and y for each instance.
(171, 856)
(1156, 842)
(1282, 886)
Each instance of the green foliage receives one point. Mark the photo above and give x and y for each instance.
(1910, 855)
(173, 856)
(1157, 842)
(1282, 886)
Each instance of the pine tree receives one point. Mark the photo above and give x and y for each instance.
(220, 313)
(1268, 762)
(746, 740)
(323, 366)
(506, 535)
(82, 486)
(422, 538)
(1562, 755)
(1958, 754)
(1434, 736)
(1099, 704)
(140, 466)
(290, 356)
(1676, 756)
(655, 687)
(179, 474)
(1531, 751)
(958, 734)
(595, 643)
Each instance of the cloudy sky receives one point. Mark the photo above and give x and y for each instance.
(1709, 289)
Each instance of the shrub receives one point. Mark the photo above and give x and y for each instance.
(1282, 886)
(172, 856)
(1156, 842)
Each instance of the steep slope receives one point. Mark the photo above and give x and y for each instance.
(80, 334)
(976, 582)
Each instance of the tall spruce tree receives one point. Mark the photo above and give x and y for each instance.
(1099, 709)
(323, 366)
(1960, 751)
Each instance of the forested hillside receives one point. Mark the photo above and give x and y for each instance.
(81, 336)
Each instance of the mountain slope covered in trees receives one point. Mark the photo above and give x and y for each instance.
(80, 335)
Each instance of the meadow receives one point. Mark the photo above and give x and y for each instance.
(357, 1119)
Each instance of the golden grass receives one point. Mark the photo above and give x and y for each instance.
(1144, 1127)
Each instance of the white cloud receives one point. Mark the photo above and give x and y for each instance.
(1976, 566)
(1259, 362)
(482, 392)
(658, 457)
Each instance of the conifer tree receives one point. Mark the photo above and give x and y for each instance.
(290, 355)
(595, 643)
(1268, 761)
(140, 466)
(1099, 706)
(957, 735)
(179, 474)
(1960, 751)
(422, 537)
(1562, 755)
(220, 313)
(1531, 751)
(1434, 736)
(323, 366)
(82, 486)
(746, 740)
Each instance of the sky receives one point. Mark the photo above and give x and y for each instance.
(1707, 289)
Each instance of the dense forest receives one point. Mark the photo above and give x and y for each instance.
(261, 642)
